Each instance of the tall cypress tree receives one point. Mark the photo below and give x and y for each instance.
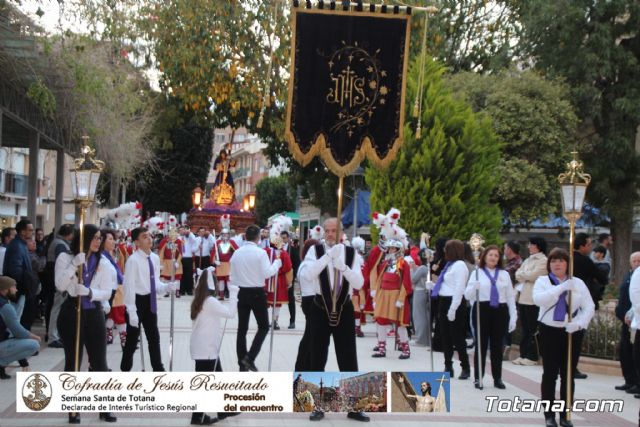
(442, 182)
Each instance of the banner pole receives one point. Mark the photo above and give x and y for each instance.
(338, 238)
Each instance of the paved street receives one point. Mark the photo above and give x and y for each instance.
(468, 404)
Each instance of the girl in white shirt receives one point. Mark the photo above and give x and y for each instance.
(209, 316)
(551, 294)
(452, 307)
(95, 288)
(497, 311)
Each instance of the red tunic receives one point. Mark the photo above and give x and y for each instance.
(394, 287)
(166, 259)
(285, 275)
(223, 254)
(375, 256)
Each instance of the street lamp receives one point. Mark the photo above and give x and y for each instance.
(84, 182)
(573, 185)
(249, 202)
(197, 195)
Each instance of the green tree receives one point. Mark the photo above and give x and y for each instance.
(442, 182)
(272, 196)
(534, 119)
(595, 46)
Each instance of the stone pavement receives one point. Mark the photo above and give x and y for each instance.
(468, 405)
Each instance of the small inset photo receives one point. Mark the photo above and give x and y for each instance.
(340, 391)
(420, 392)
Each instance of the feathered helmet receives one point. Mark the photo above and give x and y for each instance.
(225, 223)
(280, 224)
(358, 244)
(316, 233)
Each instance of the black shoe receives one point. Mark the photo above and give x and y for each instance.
(206, 420)
(358, 416)
(450, 370)
(55, 344)
(74, 418)
(46, 337)
(316, 415)
(476, 384)
(464, 375)
(624, 387)
(499, 384)
(292, 325)
(565, 423)
(3, 374)
(223, 415)
(106, 416)
(551, 422)
(276, 327)
(248, 363)
(633, 390)
(579, 375)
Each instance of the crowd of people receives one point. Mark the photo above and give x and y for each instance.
(413, 295)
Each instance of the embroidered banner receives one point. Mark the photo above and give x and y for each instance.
(347, 86)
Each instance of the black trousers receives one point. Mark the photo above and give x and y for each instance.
(303, 361)
(344, 338)
(207, 365)
(626, 356)
(92, 335)
(150, 322)
(292, 304)
(251, 300)
(494, 323)
(453, 334)
(186, 281)
(201, 262)
(528, 315)
(554, 361)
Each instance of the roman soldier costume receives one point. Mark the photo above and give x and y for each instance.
(221, 255)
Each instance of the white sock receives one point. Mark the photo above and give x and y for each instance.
(382, 332)
(358, 322)
(403, 335)
(122, 327)
(109, 323)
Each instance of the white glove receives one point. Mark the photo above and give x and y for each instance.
(171, 287)
(133, 320)
(81, 290)
(216, 262)
(512, 326)
(278, 262)
(78, 260)
(106, 307)
(372, 293)
(475, 286)
(176, 265)
(571, 285)
(572, 327)
(451, 315)
(71, 290)
(399, 304)
(339, 264)
(233, 291)
(430, 285)
(336, 251)
(361, 306)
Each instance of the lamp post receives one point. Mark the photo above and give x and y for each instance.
(84, 182)
(197, 196)
(573, 185)
(476, 241)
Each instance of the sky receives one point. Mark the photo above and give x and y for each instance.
(432, 378)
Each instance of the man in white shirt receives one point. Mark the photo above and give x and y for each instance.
(250, 267)
(331, 313)
(188, 242)
(201, 249)
(142, 286)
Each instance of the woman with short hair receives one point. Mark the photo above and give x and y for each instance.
(551, 294)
